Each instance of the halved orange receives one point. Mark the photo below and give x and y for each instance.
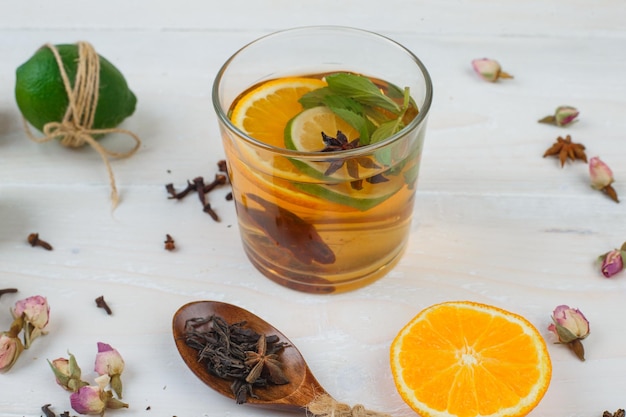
(466, 359)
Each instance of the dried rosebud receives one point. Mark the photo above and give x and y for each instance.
(35, 313)
(601, 174)
(563, 116)
(61, 369)
(109, 362)
(602, 177)
(94, 400)
(107, 395)
(10, 350)
(570, 326)
(88, 400)
(613, 261)
(35, 310)
(489, 69)
(67, 373)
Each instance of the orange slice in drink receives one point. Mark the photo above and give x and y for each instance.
(465, 359)
(264, 111)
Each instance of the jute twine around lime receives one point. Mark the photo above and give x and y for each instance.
(326, 406)
(76, 127)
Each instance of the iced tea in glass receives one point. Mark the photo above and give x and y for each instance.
(323, 129)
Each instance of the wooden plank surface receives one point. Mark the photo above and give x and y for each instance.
(494, 221)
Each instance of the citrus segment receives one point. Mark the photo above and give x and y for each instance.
(303, 132)
(467, 359)
(264, 111)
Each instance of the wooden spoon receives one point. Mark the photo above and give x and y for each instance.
(302, 387)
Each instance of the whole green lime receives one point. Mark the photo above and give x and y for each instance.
(41, 95)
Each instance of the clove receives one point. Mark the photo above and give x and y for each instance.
(8, 291)
(103, 304)
(169, 243)
(220, 179)
(207, 209)
(34, 240)
(179, 195)
(199, 187)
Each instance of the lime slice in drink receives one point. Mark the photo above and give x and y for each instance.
(304, 133)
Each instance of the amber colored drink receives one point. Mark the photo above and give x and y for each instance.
(314, 220)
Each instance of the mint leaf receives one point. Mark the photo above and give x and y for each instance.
(315, 98)
(395, 92)
(376, 116)
(356, 121)
(386, 130)
(342, 102)
(360, 89)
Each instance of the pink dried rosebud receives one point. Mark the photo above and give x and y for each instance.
(602, 177)
(88, 400)
(10, 349)
(110, 362)
(489, 69)
(570, 326)
(601, 174)
(94, 400)
(67, 373)
(563, 116)
(35, 310)
(35, 313)
(613, 261)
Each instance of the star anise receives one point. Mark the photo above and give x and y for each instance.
(565, 148)
(340, 143)
(618, 413)
(262, 360)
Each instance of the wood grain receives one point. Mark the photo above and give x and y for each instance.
(494, 221)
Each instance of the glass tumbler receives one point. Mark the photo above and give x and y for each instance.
(313, 220)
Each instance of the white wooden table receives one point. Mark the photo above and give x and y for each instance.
(494, 221)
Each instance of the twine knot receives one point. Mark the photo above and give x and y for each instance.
(69, 134)
(327, 406)
(76, 127)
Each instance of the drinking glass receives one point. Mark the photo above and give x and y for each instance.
(301, 226)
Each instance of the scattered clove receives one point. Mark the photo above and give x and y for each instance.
(207, 209)
(619, 413)
(8, 291)
(34, 240)
(103, 304)
(179, 195)
(201, 188)
(220, 179)
(169, 243)
(47, 412)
